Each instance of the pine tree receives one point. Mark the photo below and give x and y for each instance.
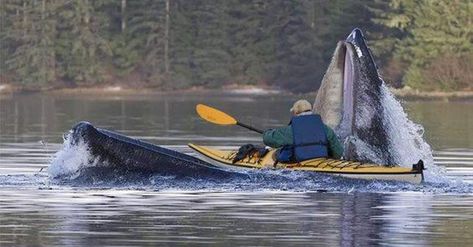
(182, 39)
(146, 34)
(199, 43)
(82, 46)
(437, 35)
(295, 53)
(125, 54)
(4, 43)
(31, 37)
(250, 43)
(210, 58)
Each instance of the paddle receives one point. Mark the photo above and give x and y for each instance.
(218, 117)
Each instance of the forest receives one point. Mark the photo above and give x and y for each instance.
(179, 44)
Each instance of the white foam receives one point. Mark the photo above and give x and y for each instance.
(364, 150)
(71, 159)
(406, 138)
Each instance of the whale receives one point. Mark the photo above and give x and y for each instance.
(350, 100)
(105, 154)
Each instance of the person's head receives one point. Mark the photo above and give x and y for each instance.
(300, 106)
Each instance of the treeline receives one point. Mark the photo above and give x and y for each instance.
(427, 44)
(172, 44)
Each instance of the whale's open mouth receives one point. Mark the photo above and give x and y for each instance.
(356, 103)
(350, 101)
(335, 100)
(348, 79)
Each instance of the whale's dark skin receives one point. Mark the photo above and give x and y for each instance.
(123, 156)
(353, 106)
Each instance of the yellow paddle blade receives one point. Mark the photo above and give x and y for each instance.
(214, 116)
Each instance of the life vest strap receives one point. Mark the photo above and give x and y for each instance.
(310, 144)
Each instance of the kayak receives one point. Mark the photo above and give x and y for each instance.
(344, 168)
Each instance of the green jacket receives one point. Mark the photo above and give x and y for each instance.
(279, 137)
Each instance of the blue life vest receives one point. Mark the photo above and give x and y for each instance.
(309, 140)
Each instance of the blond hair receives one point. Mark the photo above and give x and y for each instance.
(301, 106)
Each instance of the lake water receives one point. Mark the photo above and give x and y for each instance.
(295, 211)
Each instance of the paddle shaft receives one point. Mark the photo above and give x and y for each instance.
(249, 127)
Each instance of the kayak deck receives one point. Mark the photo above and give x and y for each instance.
(344, 168)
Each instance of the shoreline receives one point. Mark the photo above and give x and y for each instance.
(125, 91)
(404, 94)
(416, 95)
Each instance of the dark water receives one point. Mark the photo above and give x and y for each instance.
(296, 210)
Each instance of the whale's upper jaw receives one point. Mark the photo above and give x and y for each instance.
(350, 99)
(356, 38)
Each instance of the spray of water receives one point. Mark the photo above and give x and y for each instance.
(74, 157)
(406, 138)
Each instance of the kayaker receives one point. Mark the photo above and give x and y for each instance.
(306, 136)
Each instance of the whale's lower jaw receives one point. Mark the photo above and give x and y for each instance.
(113, 154)
(350, 101)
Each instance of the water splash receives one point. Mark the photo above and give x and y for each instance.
(406, 138)
(72, 159)
(363, 150)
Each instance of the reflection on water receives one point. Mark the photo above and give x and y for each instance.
(114, 217)
(35, 212)
(171, 119)
(447, 125)
(164, 119)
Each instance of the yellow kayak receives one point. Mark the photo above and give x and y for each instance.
(349, 169)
